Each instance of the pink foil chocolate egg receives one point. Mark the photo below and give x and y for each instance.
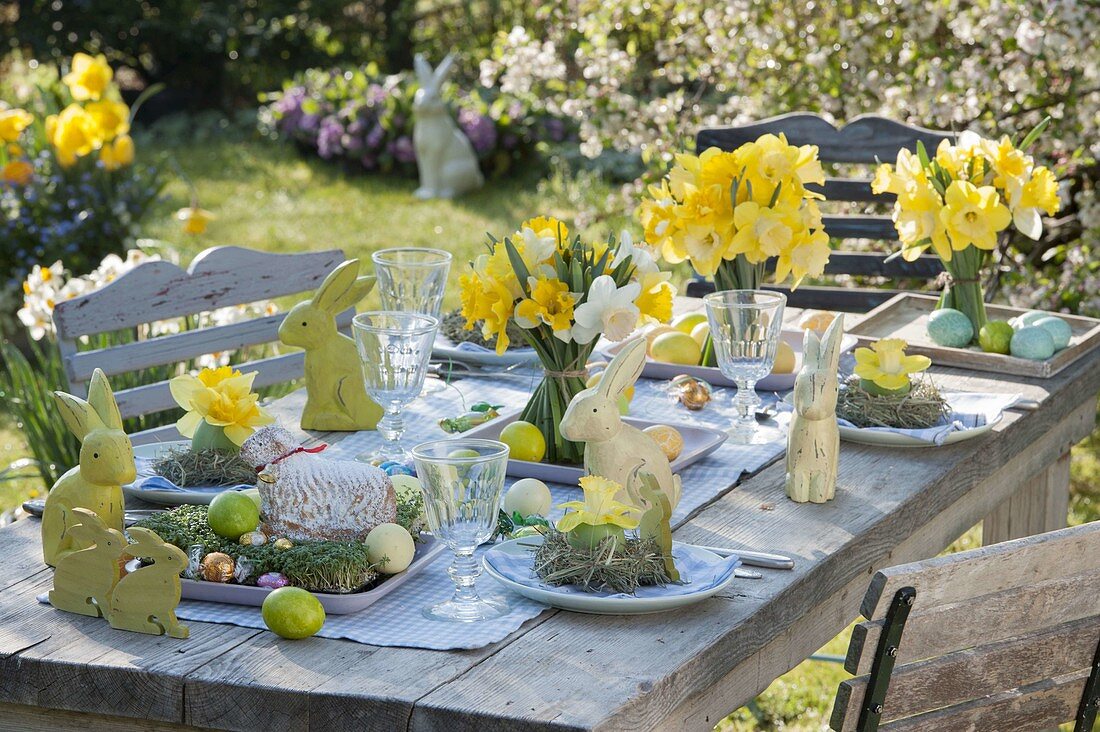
(272, 580)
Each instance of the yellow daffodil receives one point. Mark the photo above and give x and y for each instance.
(117, 154)
(16, 173)
(486, 300)
(89, 76)
(886, 365)
(222, 398)
(1039, 193)
(111, 118)
(657, 214)
(655, 300)
(598, 508)
(547, 227)
(13, 122)
(806, 258)
(73, 134)
(973, 215)
(761, 232)
(194, 219)
(550, 304)
(1008, 163)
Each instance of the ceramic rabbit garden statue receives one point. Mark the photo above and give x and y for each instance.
(813, 442)
(446, 160)
(335, 397)
(613, 449)
(106, 463)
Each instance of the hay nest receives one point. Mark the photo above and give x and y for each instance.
(606, 567)
(205, 467)
(922, 407)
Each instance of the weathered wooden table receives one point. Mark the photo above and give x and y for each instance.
(561, 670)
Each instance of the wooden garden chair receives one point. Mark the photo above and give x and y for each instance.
(863, 141)
(1006, 637)
(159, 290)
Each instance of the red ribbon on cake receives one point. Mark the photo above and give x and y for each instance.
(295, 451)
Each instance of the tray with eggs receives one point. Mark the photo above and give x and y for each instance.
(678, 349)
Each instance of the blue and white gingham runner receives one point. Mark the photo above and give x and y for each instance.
(396, 619)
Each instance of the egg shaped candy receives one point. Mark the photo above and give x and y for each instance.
(1028, 319)
(950, 328)
(528, 497)
(1059, 330)
(668, 439)
(1032, 342)
(390, 547)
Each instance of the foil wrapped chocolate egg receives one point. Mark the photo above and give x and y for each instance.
(253, 538)
(217, 567)
(691, 392)
(272, 580)
(283, 543)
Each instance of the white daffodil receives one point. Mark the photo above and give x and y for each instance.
(643, 258)
(609, 310)
(536, 249)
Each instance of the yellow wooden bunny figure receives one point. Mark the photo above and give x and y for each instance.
(335, 396)
(106, 463)
(87, 574)
(145, 600)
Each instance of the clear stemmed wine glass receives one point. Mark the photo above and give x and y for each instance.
(745, 327)
(394, 349)
(462, 481)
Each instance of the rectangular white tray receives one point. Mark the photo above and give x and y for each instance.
(334, 604)
(698, 443)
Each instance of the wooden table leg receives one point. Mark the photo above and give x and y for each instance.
(1040, 504)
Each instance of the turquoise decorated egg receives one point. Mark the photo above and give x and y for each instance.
(1028, 319)
(1032, 342)
(1059, 330)
(950, 328)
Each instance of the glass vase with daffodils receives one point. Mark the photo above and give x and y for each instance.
(728, 213)
(564, 294)
(962, 202)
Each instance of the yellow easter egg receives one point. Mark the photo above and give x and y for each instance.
(669, 439)
(784, 359)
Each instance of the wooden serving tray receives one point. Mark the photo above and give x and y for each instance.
(906, 316)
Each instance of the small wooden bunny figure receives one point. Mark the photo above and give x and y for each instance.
(446, 159)
(145, 600)
(87, 574)
(106, 463)
(613, 449)
(813, 442)
(654, 523)
(335, 397)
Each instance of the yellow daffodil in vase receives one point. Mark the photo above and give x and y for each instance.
(564, 294)
(221, 409)
(961, 202)
(887, 389)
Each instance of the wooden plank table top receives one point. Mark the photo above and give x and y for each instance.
(561, 670)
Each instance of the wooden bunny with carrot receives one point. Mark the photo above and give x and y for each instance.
(90, 573)
(613, 449)
(813, 443)
(106, 463)
(336, 399)
(145, 600)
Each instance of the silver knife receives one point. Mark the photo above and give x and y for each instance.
(755, 559)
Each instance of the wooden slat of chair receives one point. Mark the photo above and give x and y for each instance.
(961, 676)
(864, 140)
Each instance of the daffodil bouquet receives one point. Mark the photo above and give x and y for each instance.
(728, 213)
(961, 201)
(221, 409)
(563, 293)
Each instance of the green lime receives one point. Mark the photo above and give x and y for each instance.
(232, 514)
(524, 441)
(464, 453)
(995, 336)
(293, 613)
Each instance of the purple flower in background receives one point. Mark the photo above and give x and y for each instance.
(369, 161)
(402, 149)
(509, 141)
(375, 137)
(375, 94)
(479, 128)
(555, 129)
(328, 138)
(309, 122)
(289, 109)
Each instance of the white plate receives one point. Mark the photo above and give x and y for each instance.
(154, 450)
(713, 376)
(446, 348)
(595, 604)
(334, 604)
(698, 443)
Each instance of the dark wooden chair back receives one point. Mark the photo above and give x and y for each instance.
(863, 141)
(1002, 637)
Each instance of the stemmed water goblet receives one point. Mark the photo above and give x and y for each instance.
(394, 349)
(462, 480)
(745, 326)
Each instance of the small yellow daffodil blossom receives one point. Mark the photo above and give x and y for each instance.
(222, 398)
(1009, 164)
(16, 173)
(1026, 201)
(89, 76)
(111, 118)
(598, 508)
(487, 300)
(73, 133)
(13, 122)
(117, 154)
(973, 215)
(886, 365)
(194, 219)
(550, 304)
(655, 299)
(547, 227)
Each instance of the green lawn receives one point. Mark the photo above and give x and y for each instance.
(267, 197)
